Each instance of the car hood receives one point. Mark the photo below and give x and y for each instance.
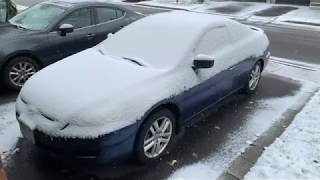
(79, 81)
(8, 31)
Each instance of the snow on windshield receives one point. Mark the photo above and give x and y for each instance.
(161, 40)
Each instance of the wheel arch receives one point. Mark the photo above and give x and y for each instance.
(171, 106)
(29, 54)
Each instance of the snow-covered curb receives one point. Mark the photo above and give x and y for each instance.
(295, 154)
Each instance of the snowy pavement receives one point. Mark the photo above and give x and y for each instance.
(295, 154)
(9, 129)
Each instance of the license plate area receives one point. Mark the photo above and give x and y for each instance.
(27, 132)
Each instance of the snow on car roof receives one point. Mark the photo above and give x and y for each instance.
(162, 40)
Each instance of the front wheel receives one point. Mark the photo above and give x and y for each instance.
(156, 136)
(254, 79)
(18, 71)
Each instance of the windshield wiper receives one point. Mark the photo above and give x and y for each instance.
(133, 60)
(18, 26)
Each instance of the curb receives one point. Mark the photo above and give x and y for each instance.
(242, 164)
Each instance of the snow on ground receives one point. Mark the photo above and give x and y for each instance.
(295, 154)
(266, 113)
(9, 129)
(294, 69)
(241, 10)
(305, 14)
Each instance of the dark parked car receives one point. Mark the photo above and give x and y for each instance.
(7, 10)
(52, 30)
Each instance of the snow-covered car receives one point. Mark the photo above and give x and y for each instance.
(134, 92)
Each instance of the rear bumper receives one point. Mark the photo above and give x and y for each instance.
(107, 148)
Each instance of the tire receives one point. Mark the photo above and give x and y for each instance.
(156, 151)
(18, 70)
(254, 78)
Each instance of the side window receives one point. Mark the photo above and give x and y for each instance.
(213, 41)
(120, 13)
(105, 14)
(79, 18)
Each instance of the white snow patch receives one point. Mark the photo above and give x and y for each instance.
(295, 155)
(294, 69)
(9, 129)
(246, 8)
(195, 171)
(306, 14)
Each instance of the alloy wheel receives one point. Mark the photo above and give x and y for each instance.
(21, 72)
(158, 137)
(255, 77)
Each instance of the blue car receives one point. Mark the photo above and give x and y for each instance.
(133, 93)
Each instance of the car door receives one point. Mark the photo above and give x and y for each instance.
(108, 20)
(81, 38)
(215, 82)
(242, 42)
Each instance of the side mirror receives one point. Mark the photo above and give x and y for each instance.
(203, 62)
(64, 29)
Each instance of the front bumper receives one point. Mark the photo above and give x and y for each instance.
(107, 148)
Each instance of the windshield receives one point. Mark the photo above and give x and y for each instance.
(38, 17)
(148, 42)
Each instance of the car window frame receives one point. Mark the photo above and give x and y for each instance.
(195, 48)
(59, 23)
(95, 14)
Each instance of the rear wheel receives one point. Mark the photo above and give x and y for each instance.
(254, 79)
(18, 71)
(156, 136)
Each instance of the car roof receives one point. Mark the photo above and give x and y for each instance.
(165, 38)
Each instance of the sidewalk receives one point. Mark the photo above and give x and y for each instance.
(295, 154)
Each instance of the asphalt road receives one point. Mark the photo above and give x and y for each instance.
(199, 142)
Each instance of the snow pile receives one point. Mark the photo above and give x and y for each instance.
(233, 9)
(9, 129)
(196, 171)
(295, 155)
